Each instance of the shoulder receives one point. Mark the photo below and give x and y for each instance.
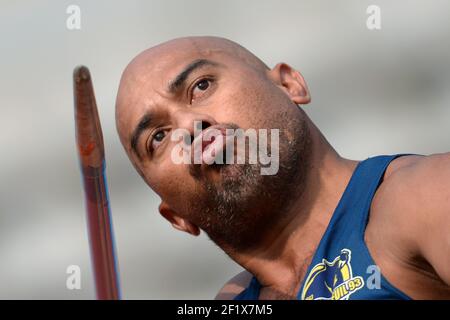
(414, 167)
(416, 183)
(234, 286)
(410, 212)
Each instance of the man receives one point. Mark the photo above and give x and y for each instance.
(303, 232)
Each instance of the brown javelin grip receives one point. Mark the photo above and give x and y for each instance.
(91, 154)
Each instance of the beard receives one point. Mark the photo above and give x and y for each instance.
(237, 211)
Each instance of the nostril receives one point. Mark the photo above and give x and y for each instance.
(199, 126)
(205, 125)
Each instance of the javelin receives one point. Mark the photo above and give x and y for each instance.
(91, 154)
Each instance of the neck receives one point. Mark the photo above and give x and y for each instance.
(280, 260)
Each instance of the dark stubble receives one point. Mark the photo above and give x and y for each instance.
(238, 211)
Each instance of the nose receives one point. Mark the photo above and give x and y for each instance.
(192, 122)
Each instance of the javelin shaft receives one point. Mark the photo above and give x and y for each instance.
(92, 162)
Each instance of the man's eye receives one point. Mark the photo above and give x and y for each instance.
(199, 87)
(157, 139)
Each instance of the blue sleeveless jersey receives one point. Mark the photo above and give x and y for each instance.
(342, 267)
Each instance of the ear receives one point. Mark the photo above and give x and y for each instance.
(178, 222)
(291, 82)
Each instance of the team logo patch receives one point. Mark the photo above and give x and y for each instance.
(332, 280)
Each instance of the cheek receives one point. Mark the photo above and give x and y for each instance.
(250, 104)
(173, 183)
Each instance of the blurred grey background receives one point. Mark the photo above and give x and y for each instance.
(374, 92)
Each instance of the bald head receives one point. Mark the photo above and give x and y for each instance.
(205, 47)
(160, 58)
(221, 85)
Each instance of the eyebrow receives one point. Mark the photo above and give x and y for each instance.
(144, 123)
(174, 86)
(180, 79)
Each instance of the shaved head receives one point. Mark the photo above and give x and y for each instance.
(158, 57)
(219, 84)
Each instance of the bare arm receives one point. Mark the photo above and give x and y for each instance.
(419, 194)
(432, 227)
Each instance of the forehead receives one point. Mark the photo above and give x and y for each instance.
(155, 66)
(147, 77)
